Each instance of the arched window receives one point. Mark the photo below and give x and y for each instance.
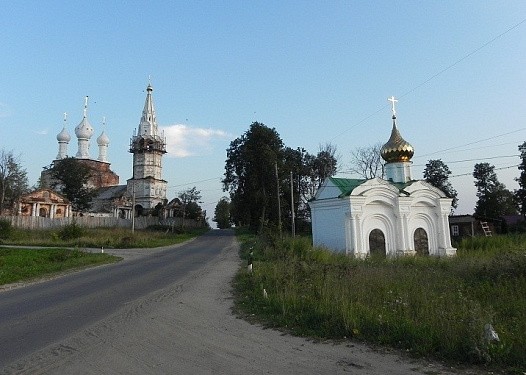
(377, 243)
(42, 212)
(421, 242)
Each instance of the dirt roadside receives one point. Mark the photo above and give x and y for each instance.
(188, 328)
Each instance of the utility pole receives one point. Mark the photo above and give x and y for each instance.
(292, 205)
(279, 203)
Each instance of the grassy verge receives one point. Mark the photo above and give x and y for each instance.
(26, 264)
(426, 306)
(75, 236)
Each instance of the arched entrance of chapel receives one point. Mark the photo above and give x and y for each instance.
(377, 246)
(421, 242)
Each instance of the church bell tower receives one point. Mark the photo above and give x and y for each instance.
(147, 147)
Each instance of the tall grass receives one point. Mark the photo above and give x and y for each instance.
(429, 306)
(75, 236)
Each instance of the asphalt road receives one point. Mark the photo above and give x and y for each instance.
(167, 312)
(37, 315)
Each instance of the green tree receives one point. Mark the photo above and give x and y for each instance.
(190, 204)
(222, 213)
(308, 173)
(323, 166)
(70, 177)
(250, 176)
(520, 193)
(494, 200)
(437, 174)
(13, 180)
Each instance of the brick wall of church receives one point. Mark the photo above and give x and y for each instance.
(102, 174)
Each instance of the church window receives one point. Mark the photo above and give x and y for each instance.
(421, 242)
(42, 212)
(377, 243)
(455, 230)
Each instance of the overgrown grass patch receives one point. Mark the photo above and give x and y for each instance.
(25, 264)
(75, 236)
(427, 306)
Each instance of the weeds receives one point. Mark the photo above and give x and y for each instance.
(73, 235)
(425, 305)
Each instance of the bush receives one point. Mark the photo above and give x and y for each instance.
(71, 231)
(5, 229)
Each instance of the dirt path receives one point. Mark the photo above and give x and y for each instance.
(188, 328)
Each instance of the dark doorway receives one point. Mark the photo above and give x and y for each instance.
(421, 242)
(377, 243)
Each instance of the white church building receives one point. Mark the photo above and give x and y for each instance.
(144, 191)
(147, 187)
(390, 217)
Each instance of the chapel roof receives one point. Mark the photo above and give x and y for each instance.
(347, 185)
(396, 149)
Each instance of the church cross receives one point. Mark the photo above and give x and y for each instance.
(85, 107)
(393, 101)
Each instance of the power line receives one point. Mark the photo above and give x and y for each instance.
(434, 76)
(466, 160)
(472, 143)
(496, 169)
(465, 57)
(195, 182)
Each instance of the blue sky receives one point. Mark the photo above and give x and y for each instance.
(318, 72)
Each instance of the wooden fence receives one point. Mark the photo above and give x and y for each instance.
(141, 222)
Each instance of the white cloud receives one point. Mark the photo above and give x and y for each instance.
(183, 140)
(41, 132)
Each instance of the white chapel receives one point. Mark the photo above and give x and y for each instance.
(393, 216)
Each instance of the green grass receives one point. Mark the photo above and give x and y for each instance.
(99, 237)
(427, 306)
(26, 264)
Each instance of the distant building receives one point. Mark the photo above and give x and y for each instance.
(102, 175)
(44, 203)
(390, 217)
(112, 201)
(148, 147)
(146, 187)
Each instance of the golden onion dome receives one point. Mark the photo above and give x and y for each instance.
(396, 149)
